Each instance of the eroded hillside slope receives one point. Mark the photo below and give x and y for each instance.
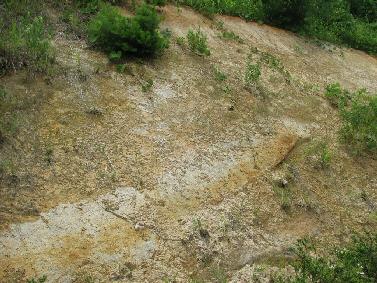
(192, 178)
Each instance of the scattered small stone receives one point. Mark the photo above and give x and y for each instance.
(231, 108)
(284, 183)
(139, 226)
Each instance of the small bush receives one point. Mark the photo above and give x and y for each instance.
(197, 41)
(116, 34)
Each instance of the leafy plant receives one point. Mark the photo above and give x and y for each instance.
(197, 41)
(120, 36)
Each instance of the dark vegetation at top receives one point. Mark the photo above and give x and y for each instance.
(25, 29)
(349, 22)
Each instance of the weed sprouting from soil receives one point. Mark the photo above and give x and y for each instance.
(197, 41)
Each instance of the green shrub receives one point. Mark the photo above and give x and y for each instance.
(116, 34)
(197, 41)
(357, 262)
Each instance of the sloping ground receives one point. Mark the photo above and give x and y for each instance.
(111, 183)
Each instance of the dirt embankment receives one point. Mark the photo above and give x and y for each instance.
(195, 178)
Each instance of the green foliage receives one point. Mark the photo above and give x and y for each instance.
(357, 262)
(120, 36)
(197, 41)
(359, 116)
(252, 74)
(24, 40)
